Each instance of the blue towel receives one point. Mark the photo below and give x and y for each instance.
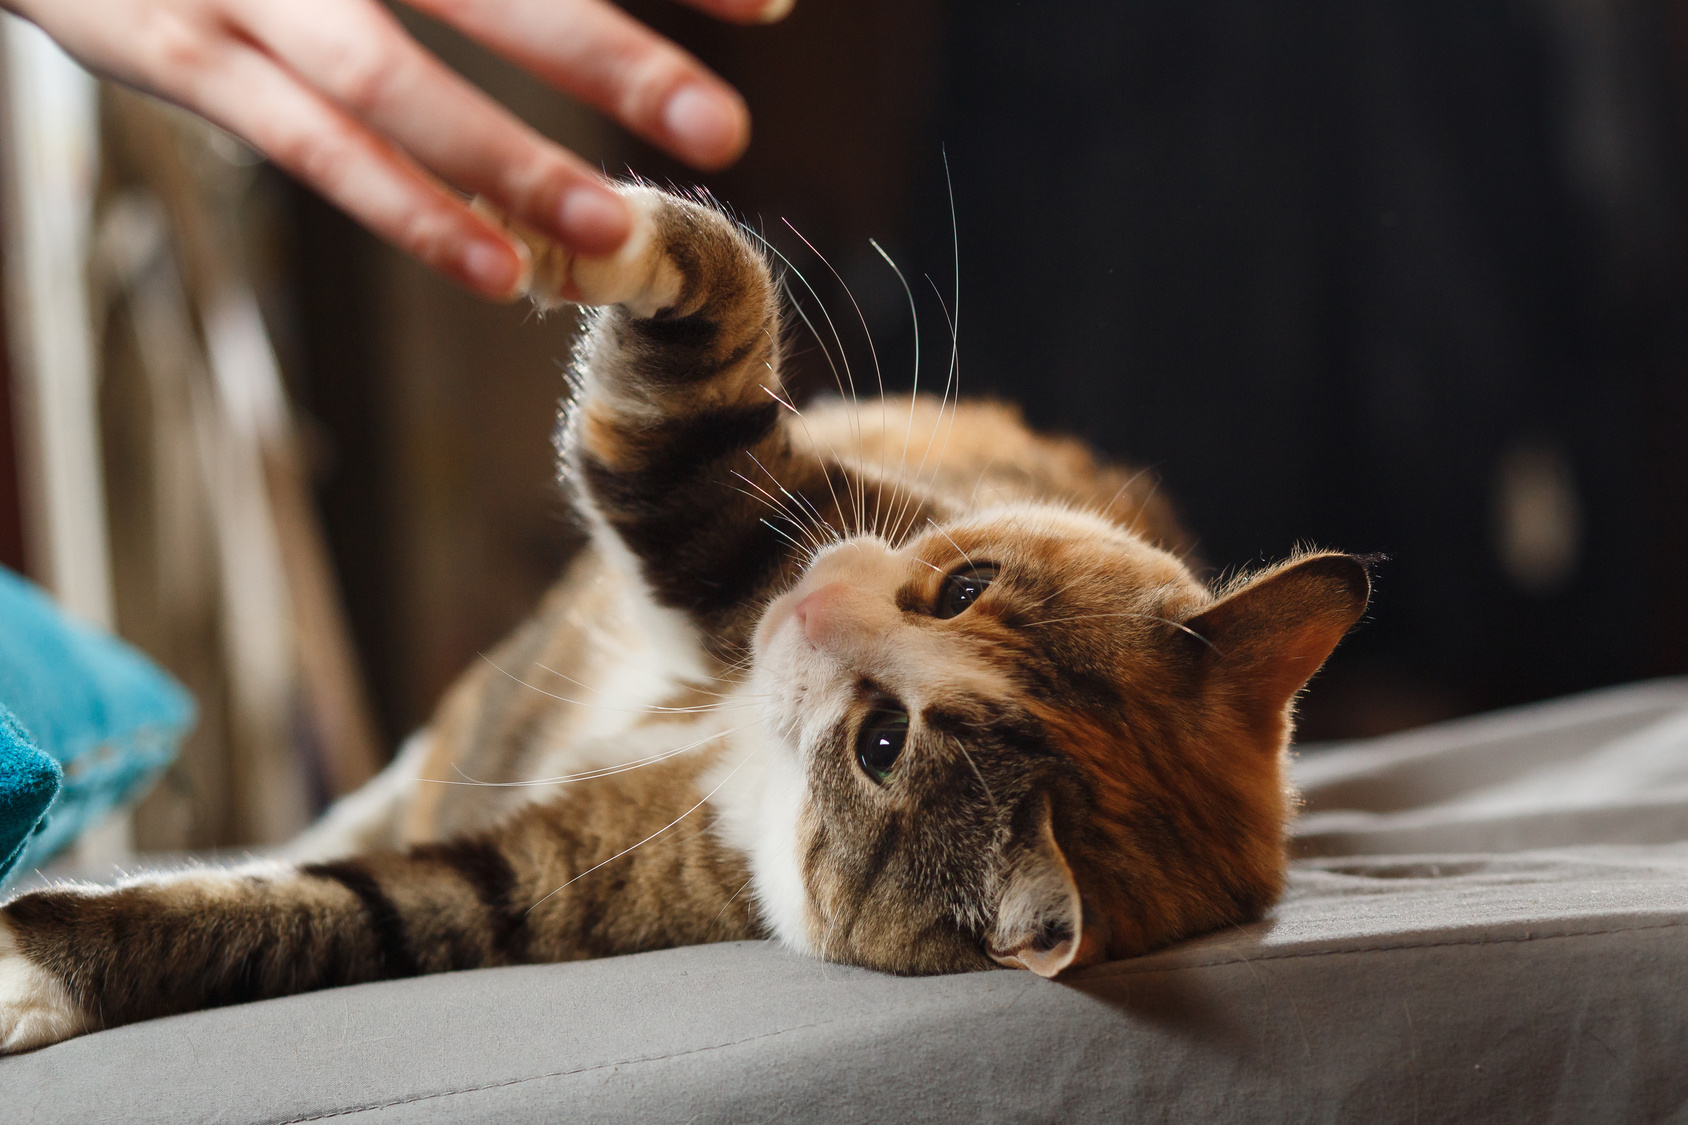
(104, 714)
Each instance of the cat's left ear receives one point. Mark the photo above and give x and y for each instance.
(1263, 642)
(1040, 922)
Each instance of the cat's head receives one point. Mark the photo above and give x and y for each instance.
(1029, 735)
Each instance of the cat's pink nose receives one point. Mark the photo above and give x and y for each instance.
(818, 612)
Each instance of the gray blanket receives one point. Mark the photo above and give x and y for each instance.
(1488, 922)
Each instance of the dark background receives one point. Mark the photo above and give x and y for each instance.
(1398, 276)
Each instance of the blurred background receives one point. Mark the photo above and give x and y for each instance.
(1389, 276)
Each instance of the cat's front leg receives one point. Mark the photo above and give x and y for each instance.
(587, 876)
(35, 1006)
(78, 958)
(677, 441)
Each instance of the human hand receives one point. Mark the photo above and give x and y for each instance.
(339, 94)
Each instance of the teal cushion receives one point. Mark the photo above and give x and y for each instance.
(92, 706)
(29, 780)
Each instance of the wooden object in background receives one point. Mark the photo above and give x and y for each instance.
(11, 490)
(209, 482)
(51, 131)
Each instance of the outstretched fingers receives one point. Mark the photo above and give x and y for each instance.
(595, 51)
(250, 93)
(357, 54)
(338, 93)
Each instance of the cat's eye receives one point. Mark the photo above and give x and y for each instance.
(880, 742)
(962, 588)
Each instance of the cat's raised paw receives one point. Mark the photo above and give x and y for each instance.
(35, 1007)
(639, 275)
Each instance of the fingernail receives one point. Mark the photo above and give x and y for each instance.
(491, 267)
(775, 10)
(593, 220)
(706, 124)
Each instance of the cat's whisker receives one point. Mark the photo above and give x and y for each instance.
(681, 685)
(1180, 626)
(772, 501)
(1143, 508)
(984, 472)
(804, 422)
(802, 548)
(760, 499)
(1059, 590)
(626, 660)
(843, 356)
(952, 381)
(974, 766)
(954, 321)
(837, 504)
(825, 532)
(941, 424)
(773, 504)
(753, 754)
(952, 542)
(1129, 481)
(826, 473)
(914, 395)
(585, 775)
(739, 666)
(878, 372)
(729, 901)
(708, 708)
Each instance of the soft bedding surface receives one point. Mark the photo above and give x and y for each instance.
(1489, 923)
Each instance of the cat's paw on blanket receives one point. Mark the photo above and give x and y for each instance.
(35, 1007)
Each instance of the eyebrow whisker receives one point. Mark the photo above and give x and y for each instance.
(1180, 626)
(952, 542)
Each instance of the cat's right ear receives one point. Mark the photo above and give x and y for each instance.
(1040, 920)
(1263, 641)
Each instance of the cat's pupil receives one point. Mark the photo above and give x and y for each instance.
(881, 742)
(962, 588)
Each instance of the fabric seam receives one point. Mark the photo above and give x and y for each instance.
(415, 1098)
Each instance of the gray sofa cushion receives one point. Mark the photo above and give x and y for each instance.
(1548, 984)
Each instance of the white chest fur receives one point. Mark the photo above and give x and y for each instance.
(757, 792)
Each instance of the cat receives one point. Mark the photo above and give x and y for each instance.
(899, 684)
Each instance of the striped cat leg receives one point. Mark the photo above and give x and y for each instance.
(677, 389)
(78, 958)
(678, 440)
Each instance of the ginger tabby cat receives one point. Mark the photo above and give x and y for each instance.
(925, 713)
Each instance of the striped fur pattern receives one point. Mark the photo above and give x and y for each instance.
(901, 684)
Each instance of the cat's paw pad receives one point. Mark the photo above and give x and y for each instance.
(638, 275)
(35, 1007)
